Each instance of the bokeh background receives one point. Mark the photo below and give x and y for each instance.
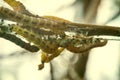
(103, 63)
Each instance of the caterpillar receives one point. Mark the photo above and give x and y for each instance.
(39, 22)
(48, 33)
(58, 25)
(54, 45)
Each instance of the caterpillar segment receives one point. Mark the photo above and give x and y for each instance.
(86, 44)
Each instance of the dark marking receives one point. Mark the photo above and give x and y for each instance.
(26, 20)
(19, 17)
(32, 36)
(26, 33)
(34, 22)
(11, 14)
(26, 27)
(5, 10)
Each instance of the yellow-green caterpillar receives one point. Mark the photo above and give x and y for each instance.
(48, 33)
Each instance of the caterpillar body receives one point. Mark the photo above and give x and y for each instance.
(48, 33)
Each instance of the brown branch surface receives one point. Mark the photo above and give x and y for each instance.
(19, 42)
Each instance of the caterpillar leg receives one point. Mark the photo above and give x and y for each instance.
(45, 58)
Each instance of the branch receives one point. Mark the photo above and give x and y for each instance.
(4, 33)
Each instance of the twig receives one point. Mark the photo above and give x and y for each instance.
(94, 30)
(19, 42)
